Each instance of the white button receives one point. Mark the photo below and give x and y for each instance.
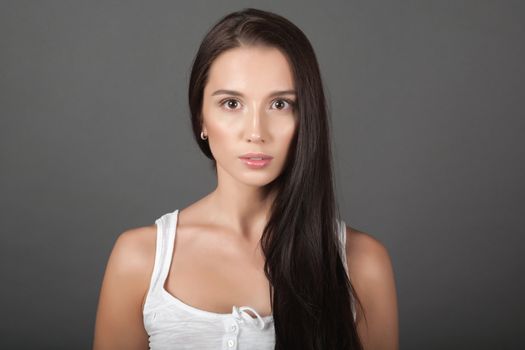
(234, 327)
(231, 343)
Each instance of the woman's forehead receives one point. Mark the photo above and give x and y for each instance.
(250, 70)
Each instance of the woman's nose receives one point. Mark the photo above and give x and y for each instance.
(255, 127)
(255, 138)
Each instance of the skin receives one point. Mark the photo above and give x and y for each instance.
(218, 236)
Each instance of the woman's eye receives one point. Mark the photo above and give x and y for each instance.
(230, 104)
(281, 104)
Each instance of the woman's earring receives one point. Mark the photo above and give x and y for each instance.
(203, 136)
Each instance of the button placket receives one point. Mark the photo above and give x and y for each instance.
(231, 326)
(240, 316)
(232, 329)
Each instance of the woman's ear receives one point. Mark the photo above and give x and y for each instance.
(203, 125)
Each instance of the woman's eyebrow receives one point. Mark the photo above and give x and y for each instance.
(237, 93)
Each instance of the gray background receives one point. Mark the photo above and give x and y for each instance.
(427, 103)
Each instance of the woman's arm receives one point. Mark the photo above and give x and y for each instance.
(119, 321)
(372, 276)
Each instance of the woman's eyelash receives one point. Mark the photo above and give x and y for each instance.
(290, 102)
(227, 100)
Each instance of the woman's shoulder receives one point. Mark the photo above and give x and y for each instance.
(369, 262)
(135, 248)
(133, 257)
(372, 275)
(125, 282)
(367, 257)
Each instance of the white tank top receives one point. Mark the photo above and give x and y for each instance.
(173, 324)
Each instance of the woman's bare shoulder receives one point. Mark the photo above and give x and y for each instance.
(362, 247)
(136, 248)
(372, 275)
(366, 255)
(133, 258)
(124, 285)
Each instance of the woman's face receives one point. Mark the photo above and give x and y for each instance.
(248, 107)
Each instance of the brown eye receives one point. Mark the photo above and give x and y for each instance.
(281, 104)
(230, 103)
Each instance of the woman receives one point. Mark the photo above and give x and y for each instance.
(263, 261)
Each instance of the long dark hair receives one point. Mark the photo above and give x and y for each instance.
(310, 292)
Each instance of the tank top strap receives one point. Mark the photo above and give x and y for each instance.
(342, 240)
(166, 230)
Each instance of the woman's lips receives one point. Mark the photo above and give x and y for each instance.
(256, 164)
(256, 155)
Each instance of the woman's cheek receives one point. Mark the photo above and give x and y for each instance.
(284, 128)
